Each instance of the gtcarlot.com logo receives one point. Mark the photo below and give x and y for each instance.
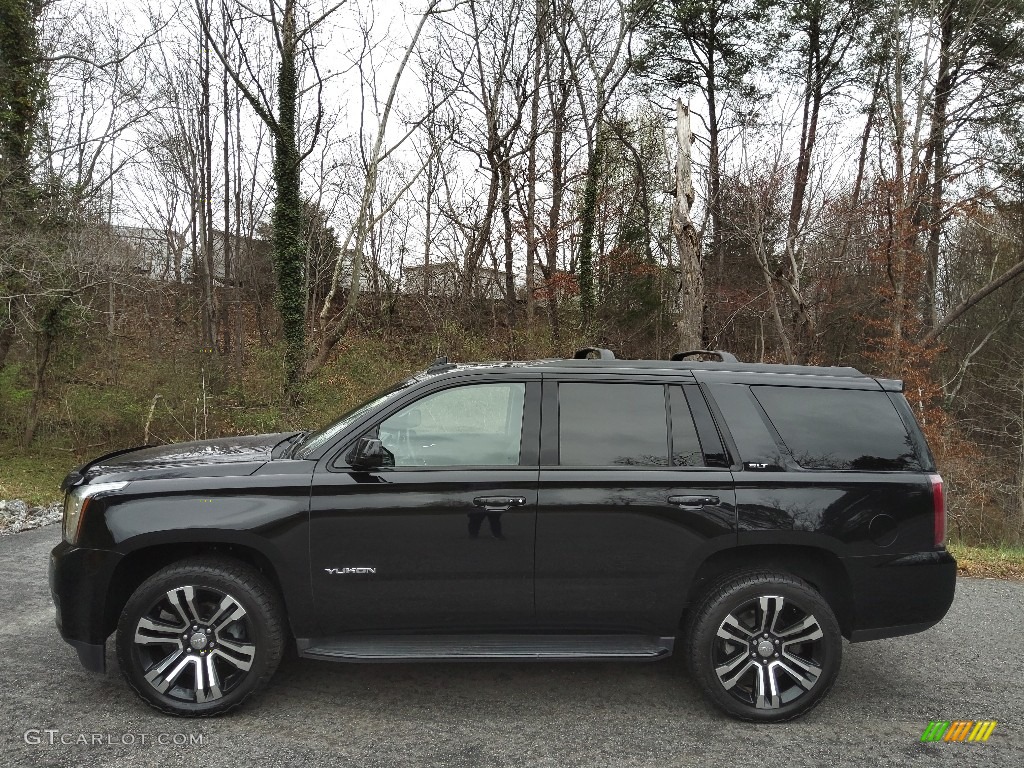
(54, 736)
(958, 730)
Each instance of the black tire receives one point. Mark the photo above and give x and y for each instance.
(752, 643)
(233, 653)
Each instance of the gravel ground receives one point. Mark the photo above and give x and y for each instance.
(17, 516)
(558, 715)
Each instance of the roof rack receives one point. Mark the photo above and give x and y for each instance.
(584, 353)
(725, 357)
(440, 364)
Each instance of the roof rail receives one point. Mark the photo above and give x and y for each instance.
(725, 357)
(585, 352)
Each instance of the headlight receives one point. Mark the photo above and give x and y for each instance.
(77, 500)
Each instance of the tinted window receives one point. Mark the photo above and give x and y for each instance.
(839, 428)
(710, 440)
(612, 425)
(686, 450)
(479, 424)
(747, 426)
(922, 451)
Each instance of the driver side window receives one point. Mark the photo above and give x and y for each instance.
(472, 425)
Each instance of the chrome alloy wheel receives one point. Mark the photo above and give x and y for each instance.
(768, 652)
(194, 644)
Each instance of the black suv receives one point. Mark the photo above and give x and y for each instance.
(750, 515)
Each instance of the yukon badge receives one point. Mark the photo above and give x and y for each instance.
(342, 571)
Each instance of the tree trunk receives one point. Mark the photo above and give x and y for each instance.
(1020, 462)
(862, 158)
(6, 338)
(45, 338)
(22, 89)
(289, 249)
(236, 270)
(225, 303)
(510, 281)
(478, 243)
(943, 88)
(558, 110)
(531, 163)
(689, 300)
(206, 270)
(714, 171)
(588, 223)
(428, 226)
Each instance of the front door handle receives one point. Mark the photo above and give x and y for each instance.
(693, 502)
(499, 503)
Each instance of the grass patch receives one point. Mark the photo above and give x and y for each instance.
(997, 562)
(34, 477)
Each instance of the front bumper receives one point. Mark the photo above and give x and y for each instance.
(900, 595)
(80, 584)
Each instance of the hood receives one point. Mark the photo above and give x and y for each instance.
(221, 456)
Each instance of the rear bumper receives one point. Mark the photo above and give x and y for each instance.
(899, 595)
(79, 585)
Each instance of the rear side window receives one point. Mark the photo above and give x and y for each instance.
(612, 425)
(839, 428)
(757, 446)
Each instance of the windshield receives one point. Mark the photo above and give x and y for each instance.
(316, 439)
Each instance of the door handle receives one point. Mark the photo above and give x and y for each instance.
(693, 502)
(499, 503)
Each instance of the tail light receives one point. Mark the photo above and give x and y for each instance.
(939, 510)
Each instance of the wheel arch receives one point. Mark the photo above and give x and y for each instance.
(821, 568)
(139, 564)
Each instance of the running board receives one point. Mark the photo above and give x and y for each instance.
(382, 648)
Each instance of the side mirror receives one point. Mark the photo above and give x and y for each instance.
(368, 454)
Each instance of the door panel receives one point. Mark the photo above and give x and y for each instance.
(441, 561)
(616, 544)
(441, 539)
(614, 554)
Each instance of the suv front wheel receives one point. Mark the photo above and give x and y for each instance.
(764, 646)
(200, 636)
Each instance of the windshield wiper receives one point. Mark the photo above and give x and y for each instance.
(295, 441)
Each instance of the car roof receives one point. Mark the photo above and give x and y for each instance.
(667, 367)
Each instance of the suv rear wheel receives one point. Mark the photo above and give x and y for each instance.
(764, 646)
(200, 636)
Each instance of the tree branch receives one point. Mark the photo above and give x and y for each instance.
(964, 306)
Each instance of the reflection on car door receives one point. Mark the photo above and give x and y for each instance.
(627, 494)
(441, 540)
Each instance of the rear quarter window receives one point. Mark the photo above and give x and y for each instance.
(839, 429)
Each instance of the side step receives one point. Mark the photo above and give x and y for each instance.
(382, 648)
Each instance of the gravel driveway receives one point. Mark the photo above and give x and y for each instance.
(338, 715)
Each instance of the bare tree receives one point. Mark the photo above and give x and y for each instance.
(293, 32)
(331, 329)
(597, 55)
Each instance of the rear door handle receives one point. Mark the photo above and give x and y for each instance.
(499, 503)
(693, 502)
